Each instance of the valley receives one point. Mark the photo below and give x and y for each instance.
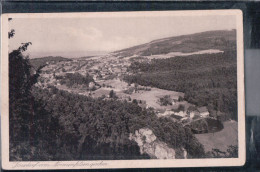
(173, 99)
(108, 76)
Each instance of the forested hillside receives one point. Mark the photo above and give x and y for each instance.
(38, 62)
(207, 80)
(81, 127)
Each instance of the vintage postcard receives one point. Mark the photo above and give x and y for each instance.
(122, 90)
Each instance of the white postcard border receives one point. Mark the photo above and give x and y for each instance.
(29, 165)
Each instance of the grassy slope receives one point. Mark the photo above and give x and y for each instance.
(220, 140)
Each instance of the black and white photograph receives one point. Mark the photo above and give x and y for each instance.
(123, 89)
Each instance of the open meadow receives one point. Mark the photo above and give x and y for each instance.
(222, 139)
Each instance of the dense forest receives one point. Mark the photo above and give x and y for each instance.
(207, 80)
(104, 127)
(75, 79)
(69, 127)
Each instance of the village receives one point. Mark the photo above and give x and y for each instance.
(107, 73)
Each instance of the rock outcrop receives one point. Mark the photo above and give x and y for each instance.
(152, 146)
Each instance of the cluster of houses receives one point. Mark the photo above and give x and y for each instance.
(101, 68)
(189, 114)
(113, 66)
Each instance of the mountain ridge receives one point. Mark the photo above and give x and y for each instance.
(217, 39)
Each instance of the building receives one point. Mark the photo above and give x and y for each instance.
(192, 112)
(181, 114)
(203, 111)
(91, 85)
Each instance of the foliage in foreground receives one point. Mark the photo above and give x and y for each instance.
(88, 128)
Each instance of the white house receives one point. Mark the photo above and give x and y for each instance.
(181, 113)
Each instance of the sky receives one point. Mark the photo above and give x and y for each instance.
(77, 37)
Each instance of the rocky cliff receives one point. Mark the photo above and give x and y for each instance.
(152, 146)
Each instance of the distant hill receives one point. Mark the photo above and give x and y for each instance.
(36, 63)
(219, 39)
(85, 57)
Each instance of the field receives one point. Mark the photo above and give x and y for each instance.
(220, 140)
(100, 92)
(151, 97)
(116, 84)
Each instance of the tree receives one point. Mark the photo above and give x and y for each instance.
(21, 80)
(22, 126)
(181, 107)
(232, 151)
(12, 31)
(180, 99)
(165, 100)
(112, 94)
(135, 101)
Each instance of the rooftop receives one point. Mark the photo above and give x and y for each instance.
(202, 109)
